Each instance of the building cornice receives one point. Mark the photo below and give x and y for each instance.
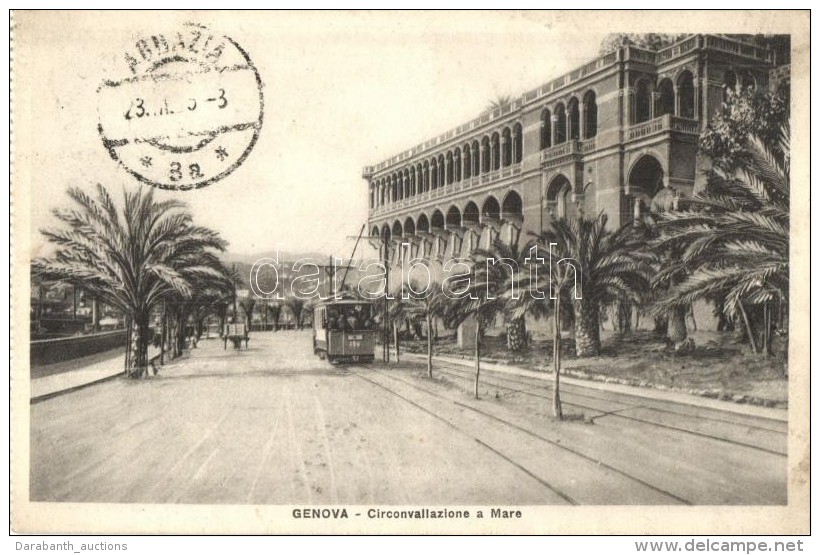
(564, 83)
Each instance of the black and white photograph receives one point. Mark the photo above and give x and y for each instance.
(417, 272)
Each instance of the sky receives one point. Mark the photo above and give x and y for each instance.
(342, 90)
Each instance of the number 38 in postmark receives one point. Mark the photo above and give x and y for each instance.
(188, 111)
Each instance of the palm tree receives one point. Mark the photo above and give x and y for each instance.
(131, 258)
(509, 259)
(499, 101)
(734, 237)
(210, 295)
(544, 291)
(414, 306)
(612, 267)
(481, 298)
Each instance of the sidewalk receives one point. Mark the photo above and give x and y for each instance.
(49, 386)
(645, 392)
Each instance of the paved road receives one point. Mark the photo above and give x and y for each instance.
(274, 425)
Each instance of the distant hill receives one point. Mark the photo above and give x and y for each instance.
(244, 263)
(231, 257)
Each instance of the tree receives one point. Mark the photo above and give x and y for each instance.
(499, 101)
(647, 41)
(421, 306)
(509, 259)
(746, 113)
(296, 306)
(130, 258)
(248, 304)
(734, 236)
(545, 290)
(480, 297)
(612, 268)
(275, 310)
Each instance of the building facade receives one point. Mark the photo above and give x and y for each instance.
(609, 136)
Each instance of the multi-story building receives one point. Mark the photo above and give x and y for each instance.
(608, 136)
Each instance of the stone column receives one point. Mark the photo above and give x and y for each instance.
(553, 136)
(654, 105)
(676, 111)
(95, 314)
(581, 126)
(630, 106)
(514, 150)
(568, 125)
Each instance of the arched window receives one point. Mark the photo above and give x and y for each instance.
(506, 147)
(425, 173)
(449, 173)
(490, 210)
(423, 224)
(468, 162)
(574, 119)
(518, 145)
(409, 226)
(560, 125)
(495, 155)
(372, 197)
(476, 154)
(643, 98)
(512, 206)
(645, 184)
(558, 196)
(437, 220)
(485, 154)
(441, 170)
(470, 218)
(546, 129)
(457, 164)
(453, 219)
(413, 181)
(433, 174)
(666, 98)
(686, 96)
(590, 115)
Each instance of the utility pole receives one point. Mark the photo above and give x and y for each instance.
(386, 330)
(233, 281)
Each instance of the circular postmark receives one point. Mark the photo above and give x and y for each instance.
(187, 113)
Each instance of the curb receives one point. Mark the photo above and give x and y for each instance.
(47, 396)
(678, 397)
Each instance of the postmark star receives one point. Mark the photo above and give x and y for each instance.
(146, 161)
(221, 153)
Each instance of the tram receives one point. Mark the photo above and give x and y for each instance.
(344, 331)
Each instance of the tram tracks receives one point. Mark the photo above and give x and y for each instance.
(541, 391)
(592, 465)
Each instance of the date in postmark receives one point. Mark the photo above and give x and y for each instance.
(188, 111)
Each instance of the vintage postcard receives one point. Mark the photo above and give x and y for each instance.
(492, 272)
